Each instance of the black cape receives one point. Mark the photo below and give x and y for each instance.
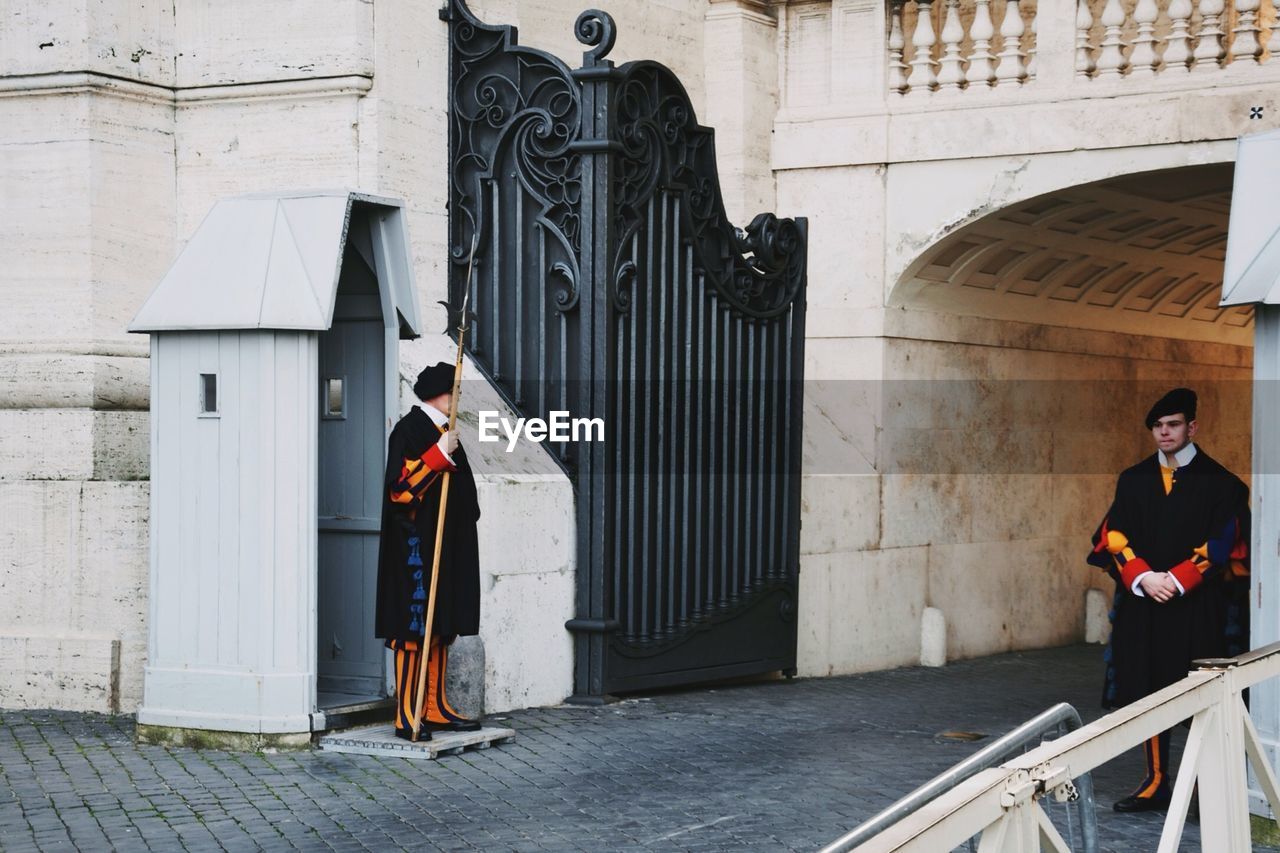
(400, 614)
(1152, 644)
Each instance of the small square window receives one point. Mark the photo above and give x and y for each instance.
(208, 393)
(335, 401)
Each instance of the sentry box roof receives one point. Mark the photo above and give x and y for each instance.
(1252, 270)
(272, 261)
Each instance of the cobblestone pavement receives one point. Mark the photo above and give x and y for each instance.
(771, 766)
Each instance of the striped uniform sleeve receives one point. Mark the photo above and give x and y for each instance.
(1113, 544)
(1225, 548)
(418, 474)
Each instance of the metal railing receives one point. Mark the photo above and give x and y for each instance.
(1012, 744)
(1003, 804)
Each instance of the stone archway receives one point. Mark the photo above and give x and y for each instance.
(1140, 254)
(1021, 351)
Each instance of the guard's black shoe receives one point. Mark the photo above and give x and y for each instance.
(458, 725)
(464, 725)
(1157, 803)
(424, 733)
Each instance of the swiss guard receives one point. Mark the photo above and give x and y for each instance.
(419, 452)
(1176, 542)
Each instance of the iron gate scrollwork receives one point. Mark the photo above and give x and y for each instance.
(610, 283)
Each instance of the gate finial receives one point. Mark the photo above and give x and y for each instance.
(596, 29)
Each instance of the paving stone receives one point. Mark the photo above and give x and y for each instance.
(770, 766)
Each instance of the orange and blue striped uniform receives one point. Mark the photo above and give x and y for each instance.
(408, 657)
(417, 476)
(1225, 551)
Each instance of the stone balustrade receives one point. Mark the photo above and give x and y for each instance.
(948, 46)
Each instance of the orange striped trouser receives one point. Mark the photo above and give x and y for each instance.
(408, 658)
(1156, 751)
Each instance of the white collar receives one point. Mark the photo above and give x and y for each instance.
(438, 417)
(1182, 457)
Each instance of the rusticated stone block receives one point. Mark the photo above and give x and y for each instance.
(76, 673)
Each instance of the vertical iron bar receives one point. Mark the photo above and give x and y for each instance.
(754, 447)
(661, 437)
(634, 473)
(646, 485)
(686, 457)
(714, 450)
(725, 481)
(495, 283)
(473, 285)
(517, 381)
(564, 361)
(699, 562)
(741, 508)
(597, 355)
(768, 421)
(617, 483)
(787, 449)
(542, 318)
(703, 448)
(758, 391)
(736, 463)
(676, 508)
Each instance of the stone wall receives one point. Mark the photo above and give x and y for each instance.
(972, 475)
(944, 466)
(86, 226)
(122, 125)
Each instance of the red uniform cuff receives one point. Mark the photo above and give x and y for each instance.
(436, 460)
(1187, 574)
(1129, 571)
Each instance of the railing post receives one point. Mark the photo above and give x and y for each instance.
(1223, 789)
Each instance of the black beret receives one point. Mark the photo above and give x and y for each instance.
(434, 381)
(1179, 401)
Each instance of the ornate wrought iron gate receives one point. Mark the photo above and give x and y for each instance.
(610, 284)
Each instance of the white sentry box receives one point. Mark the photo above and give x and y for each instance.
(274, 344)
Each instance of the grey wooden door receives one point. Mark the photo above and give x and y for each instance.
(350, 662)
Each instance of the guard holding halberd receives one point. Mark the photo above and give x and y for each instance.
(422, 453)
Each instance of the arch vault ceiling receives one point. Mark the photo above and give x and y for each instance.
(1141, 254)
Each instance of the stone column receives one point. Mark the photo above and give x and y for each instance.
(741, 54)
(86, 229)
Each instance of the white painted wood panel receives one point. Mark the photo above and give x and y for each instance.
(233, 405)
(250, 534)
(234, 498)
(204, 468)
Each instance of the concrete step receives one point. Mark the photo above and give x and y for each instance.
(346, 715)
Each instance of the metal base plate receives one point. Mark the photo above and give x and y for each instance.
(381, 740)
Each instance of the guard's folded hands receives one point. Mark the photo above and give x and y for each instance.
(1159, 586)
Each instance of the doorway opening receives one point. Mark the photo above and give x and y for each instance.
(350, 662)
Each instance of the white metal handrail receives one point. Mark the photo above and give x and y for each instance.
(1003, 804)
(999, 751)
